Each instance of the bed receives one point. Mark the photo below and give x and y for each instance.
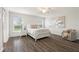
(38, 32)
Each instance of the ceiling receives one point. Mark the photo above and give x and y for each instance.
(35, 11)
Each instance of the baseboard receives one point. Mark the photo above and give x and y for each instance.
(23, 35)
(19, 35)
(55, 34)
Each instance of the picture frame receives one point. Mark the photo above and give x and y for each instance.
(61, 21)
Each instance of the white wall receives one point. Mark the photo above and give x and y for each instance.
(26, 19)
(50, 23)
(1, 35)
(71, 20)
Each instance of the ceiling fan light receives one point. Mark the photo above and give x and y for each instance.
(43, 9)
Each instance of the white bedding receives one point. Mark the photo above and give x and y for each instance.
(38, 33)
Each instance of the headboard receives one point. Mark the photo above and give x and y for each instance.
(34, 26)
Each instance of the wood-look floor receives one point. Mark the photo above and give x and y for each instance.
(50, 44)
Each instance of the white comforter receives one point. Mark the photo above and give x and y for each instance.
(38, 33)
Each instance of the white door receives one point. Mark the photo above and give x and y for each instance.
(1, 35)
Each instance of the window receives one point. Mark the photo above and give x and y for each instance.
(17, 24)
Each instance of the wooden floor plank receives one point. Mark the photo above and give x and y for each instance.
(50, 44)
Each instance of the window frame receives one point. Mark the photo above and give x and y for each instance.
(17, 18)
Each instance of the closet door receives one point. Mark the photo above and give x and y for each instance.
(1, 32)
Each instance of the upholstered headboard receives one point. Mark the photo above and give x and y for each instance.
(34, 26)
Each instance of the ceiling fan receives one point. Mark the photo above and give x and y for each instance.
(45, 10)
